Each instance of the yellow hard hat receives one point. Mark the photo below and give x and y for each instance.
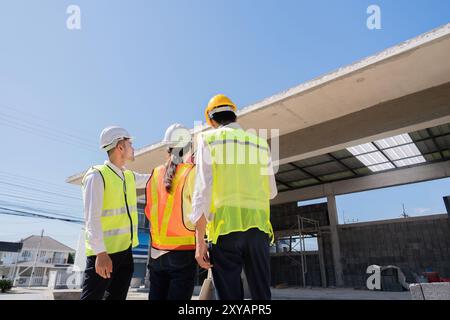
(219, 100)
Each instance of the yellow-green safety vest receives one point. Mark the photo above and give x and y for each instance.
(240, 197)
(119, 217)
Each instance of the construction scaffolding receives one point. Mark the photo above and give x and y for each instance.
(304, 228)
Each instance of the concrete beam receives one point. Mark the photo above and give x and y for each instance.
(411, 66)
(424, 109)
(380, 180)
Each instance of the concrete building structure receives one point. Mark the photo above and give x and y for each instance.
(380, 122)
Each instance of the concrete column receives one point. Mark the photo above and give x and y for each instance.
(323, 276)
(335, 246)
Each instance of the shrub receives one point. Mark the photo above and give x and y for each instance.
(5, 285)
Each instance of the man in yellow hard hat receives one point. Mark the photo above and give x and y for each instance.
(231, 203)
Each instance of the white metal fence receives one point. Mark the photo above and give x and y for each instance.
(37, 281)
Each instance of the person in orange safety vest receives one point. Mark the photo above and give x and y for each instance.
(172, 264)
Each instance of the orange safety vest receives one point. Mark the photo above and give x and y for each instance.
(164, 210)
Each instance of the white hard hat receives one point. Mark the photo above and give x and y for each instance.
(177, 135)
(111, 135)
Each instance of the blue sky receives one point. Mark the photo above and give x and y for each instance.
(146, 64)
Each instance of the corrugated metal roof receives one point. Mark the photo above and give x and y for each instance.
(433, 144)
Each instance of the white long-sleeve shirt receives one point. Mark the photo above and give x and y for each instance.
(201, 200)
(93, 190)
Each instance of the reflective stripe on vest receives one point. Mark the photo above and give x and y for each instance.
(119, 211)
(240, 197)
(165, 211)
(119, 217)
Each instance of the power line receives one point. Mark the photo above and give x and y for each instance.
(52, 131)
(49, 133)
(32, 199)
(46, 135)
(38, 190)
(44, 205)
(41, 197)
(48, 205)
(37, 210)
(35, 116)
(19, 187)
(39, 186)
(37, 181)
(50, 199)
(50, 127)
(23, 182)
(35, 215)
(20, 223)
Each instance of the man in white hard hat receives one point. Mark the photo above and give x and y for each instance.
(111, 219)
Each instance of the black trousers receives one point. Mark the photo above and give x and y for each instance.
(115, 288)
(172, 276)
(237, 250)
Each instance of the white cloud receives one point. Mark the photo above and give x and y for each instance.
(421, 210)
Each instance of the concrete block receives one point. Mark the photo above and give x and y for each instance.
(136, 282)
(67, 294)
(430, 291)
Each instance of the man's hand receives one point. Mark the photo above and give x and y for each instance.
(201, 249)
(103, 265)
(202, 255)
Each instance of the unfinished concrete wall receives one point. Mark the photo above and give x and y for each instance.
(287, 269)
(413, 244)
(328, 259)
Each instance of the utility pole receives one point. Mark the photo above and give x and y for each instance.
(404, 215)
(36, 258)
